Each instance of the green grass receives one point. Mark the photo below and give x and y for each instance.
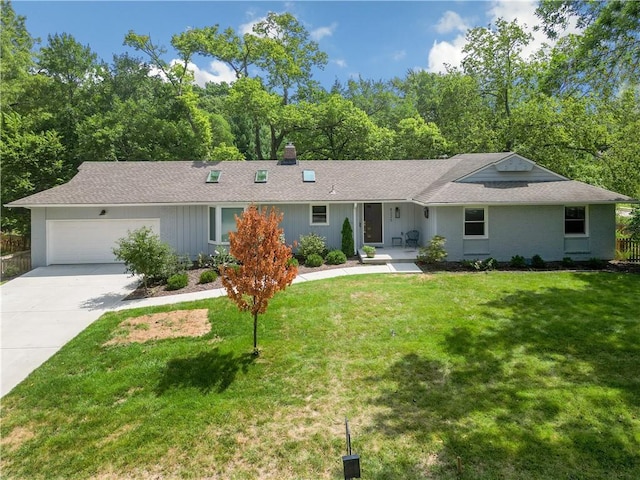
(521, 375)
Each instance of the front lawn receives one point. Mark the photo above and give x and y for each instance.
(519, 375)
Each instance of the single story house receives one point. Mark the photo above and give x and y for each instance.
(485, 205)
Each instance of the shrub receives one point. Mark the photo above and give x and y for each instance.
(312, 244)
(177, 281)
(143, 253)
(517, 261)
(596, 263)
(434, 252)
(568, 262)
(336, 257)
(481, 265)
(208, 276)
(347, 238)
(293, 262)
(313, 260)
(369, 251)
(538, 262)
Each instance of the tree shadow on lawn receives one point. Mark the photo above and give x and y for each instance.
(208, 371)
(550, 388)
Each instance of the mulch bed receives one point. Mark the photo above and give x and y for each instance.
(194, 278)
(194, 275)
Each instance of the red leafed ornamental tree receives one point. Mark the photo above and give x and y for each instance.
(264, 263)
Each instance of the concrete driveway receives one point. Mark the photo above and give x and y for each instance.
(45, 308)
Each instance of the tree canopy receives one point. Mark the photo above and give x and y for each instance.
(573, 107)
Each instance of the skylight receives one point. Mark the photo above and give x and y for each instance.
(308, 175)
(261, 176)
(214, 176)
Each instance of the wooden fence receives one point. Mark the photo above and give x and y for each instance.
(629, 249)
(15, 264)
(14, 243)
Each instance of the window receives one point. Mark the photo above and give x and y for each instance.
(222, 220)
(261, 176)
(214, 176)
(575, 220)
(319, 214)
(475, 222)
(308, 176)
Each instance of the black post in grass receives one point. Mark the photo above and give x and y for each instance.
(350, 462)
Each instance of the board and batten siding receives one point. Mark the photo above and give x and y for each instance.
(296, 222)
(182, 227)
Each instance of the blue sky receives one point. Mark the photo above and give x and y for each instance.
(374, 39)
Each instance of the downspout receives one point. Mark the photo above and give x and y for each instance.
(355, 227)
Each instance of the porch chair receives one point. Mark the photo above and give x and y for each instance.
(412, 237)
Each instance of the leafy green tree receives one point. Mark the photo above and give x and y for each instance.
(606, 53)
(493, 57)
(416, 138)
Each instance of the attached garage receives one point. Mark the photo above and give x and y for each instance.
(89, 241)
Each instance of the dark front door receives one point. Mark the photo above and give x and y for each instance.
(372, 223)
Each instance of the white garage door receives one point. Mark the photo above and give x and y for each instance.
(89, 241)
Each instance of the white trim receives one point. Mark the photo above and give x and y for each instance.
(485, 208)
(586, 221)
(218, 219)
(318, 224)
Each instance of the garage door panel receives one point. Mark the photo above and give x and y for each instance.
(89, 241)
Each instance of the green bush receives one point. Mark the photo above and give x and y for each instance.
(312, 244)
(313, 260)
(347, 238)
(517, 261)
(568, 262)
(596, 263)
(144, 254)
(208, 276)
(177, 281)
(293, 262)
(481, 265)
(369, 251)
(434, 252)
(336, 257)
(538, 262)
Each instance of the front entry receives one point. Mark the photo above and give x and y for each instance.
(372, 223)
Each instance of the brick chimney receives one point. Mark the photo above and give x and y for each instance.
(289, 157)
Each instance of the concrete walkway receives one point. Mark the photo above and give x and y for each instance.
(45, 308)
(307, 277)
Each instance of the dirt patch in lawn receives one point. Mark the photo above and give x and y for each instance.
(158, 326)
(17, 437)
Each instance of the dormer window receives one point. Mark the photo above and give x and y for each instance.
(308, 176)
(261, 176)
(214, 176)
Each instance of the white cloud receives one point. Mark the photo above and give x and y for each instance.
(523, 11)
(322, 32)
(340, 62)
(248, 27)
(399, 55)
(451, 22)
(217, 72)
(449, 53)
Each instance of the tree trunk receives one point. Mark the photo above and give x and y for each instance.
(255, 335)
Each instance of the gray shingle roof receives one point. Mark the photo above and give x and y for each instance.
(426, 181)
